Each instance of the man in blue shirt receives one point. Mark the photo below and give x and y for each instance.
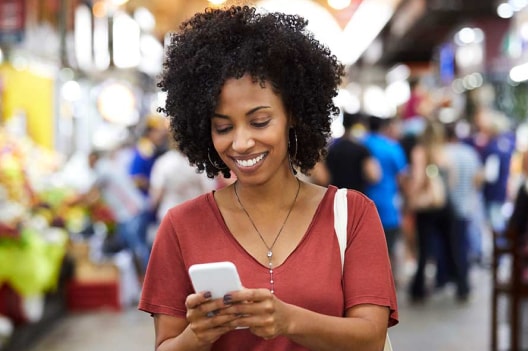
(381, 140)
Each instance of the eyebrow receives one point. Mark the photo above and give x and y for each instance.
(255, 109)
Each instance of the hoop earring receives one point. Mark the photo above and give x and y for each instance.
(216, 164)
(292, 154)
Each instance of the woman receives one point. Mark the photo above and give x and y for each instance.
(252, 94)
(431, 174)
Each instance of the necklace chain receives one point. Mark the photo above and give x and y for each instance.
(269, 253)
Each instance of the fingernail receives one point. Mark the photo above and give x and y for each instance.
(227, 299)
(207, 294)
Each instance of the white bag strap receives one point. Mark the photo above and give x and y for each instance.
(340, 229)
(340, 220)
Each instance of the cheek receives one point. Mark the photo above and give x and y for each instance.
(220, 142)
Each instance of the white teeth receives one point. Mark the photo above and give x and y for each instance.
(250, 163)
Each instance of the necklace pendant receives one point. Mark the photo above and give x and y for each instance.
(269, 254)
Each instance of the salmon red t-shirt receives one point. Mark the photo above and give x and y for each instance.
(310, 277)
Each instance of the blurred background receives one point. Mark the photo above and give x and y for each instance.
(80, 75)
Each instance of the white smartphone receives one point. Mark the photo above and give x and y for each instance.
(219, 278)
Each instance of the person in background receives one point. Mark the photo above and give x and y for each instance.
(414, 112)
(382, 142)
(148, 148)
(152, 144)
(496, 144)
(464, 184)
(242, 98)
(350, 163)
(118, 191)
(173, 181)
(430, 166)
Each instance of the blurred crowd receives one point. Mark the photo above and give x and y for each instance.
(138, 181)
(444, 182)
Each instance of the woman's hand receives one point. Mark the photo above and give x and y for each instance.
(206, 317)
(256, 309)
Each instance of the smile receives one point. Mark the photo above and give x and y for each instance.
(251, 162)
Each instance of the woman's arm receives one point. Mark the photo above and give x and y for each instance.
(371, 169)
(363, 328)
(202, 326)
(172, 333)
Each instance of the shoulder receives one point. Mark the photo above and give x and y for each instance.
(195, 207)
(358, 199)
(360, 208)
(190, 219)
(354, 198)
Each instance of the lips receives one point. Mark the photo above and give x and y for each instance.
(251, 161)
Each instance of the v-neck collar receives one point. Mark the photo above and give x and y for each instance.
(210, 198)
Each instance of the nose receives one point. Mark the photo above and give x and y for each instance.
(242, 140)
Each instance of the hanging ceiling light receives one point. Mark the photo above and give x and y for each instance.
(217, 2)
(339, 4)
(119, 2)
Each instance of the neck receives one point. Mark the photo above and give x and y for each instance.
(267, 192)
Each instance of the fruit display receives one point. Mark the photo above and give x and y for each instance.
(38, 222)
(33, 225)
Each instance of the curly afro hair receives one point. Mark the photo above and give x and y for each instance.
(219, 44)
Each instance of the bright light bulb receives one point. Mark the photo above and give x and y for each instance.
(519, 73)
(339, 4)
(466, 35)
(505, 10)
(119, 2)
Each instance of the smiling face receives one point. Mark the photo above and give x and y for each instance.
(250, 130)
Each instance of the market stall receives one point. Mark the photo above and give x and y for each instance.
(55, 257)
(33, 238)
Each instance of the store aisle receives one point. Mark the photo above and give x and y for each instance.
(129, 330)
(438, 325)
(442, 324)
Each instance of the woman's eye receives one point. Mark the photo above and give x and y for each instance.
(261, 124)
(222, 130)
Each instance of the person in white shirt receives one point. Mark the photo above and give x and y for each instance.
(173, 181)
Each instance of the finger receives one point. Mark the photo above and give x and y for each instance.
(194, 300)
(206, 310)
(262, 326)
(212, 324)
(245, 295)
(252, 303)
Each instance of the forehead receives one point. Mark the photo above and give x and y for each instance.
(246, 92)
